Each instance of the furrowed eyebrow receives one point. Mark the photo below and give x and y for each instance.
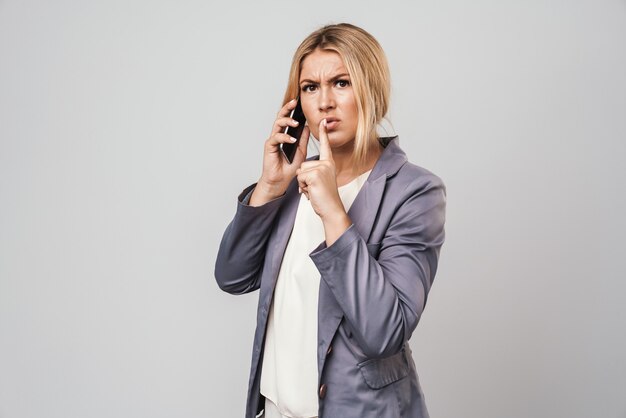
(332, 80)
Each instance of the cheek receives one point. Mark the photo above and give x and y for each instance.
(353, 116)
(351, 108)
(309, 119)
(354, 110)
(307, 110)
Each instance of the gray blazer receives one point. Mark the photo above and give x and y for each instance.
(374, 282)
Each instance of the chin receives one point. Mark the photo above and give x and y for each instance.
(340, 141)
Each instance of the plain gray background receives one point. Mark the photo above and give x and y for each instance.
(128, 128)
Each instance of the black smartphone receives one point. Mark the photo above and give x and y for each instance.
(289, 150)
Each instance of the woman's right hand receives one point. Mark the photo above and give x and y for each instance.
(277, 172)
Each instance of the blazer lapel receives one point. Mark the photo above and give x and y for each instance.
(365, 206)
(283, 231)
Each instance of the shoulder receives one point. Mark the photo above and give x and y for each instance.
(413, 202)
(416, 199)
(413, 179)
(401, 173)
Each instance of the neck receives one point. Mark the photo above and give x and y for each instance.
(345, 168)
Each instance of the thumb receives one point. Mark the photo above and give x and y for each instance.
(325, 151)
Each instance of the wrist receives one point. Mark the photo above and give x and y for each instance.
(265, 192)
(335, 225)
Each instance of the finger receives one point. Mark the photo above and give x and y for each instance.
(303, 180)
(282, 122)
(287, 108)
(280, 138)
(310, 165)
(302, 188)
(325, 151)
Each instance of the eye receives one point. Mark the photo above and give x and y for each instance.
(342, 83)
(308, 88)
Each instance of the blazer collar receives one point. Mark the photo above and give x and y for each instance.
(391, 159)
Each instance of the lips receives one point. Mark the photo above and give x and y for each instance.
(332, 123)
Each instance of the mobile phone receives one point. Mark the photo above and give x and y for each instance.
(289, 149)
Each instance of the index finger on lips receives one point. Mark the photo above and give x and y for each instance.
(325, 151)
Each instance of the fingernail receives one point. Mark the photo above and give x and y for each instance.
(293, 100)
(293, 139)
(296, 122)
(324, 122)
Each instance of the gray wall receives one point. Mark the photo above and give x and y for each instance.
(127, 129)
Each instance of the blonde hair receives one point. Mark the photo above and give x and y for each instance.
(367, 65)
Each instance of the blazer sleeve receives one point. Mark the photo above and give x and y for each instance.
(382, 290)
(242, 250)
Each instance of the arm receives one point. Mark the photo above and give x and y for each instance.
(243, 247)
(383, 298)
(242, 250)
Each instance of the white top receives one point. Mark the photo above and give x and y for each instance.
(289, 373)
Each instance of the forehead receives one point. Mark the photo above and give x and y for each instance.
(322, 64)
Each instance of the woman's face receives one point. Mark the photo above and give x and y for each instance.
(326, 93)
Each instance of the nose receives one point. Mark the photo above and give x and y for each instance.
(326, 99)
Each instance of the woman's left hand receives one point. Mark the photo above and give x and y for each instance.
(317, 180)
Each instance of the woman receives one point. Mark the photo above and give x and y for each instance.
(343, 247)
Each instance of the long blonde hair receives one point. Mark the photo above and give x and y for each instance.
(367, 65)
